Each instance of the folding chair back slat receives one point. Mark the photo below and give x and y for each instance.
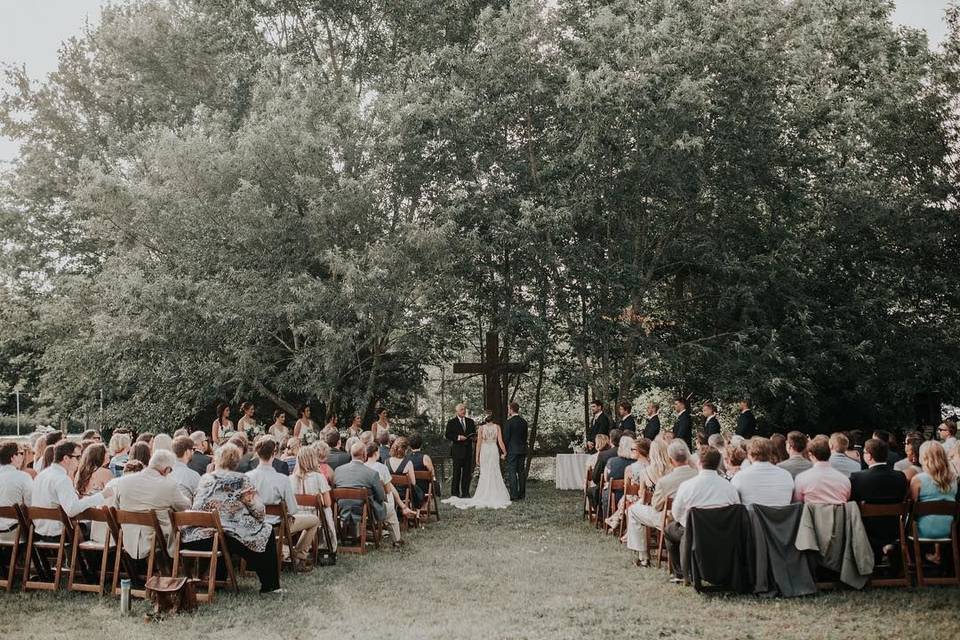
(99, 515)
(35, 547)
(217, 553)
(158, 560)
(362, 495)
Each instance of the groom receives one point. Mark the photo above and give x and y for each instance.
(515, 439)
(461, 431)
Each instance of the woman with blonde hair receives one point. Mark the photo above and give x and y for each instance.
(308, 479)
(323, 454)
(118, 450)
(937, 482)
(161, 442)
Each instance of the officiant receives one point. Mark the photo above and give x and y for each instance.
(461, 432)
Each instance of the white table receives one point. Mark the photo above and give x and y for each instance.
(571, 470)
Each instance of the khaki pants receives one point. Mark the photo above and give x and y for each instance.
(639, 517)
(308, 523)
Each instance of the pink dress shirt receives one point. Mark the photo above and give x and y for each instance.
(821, 485)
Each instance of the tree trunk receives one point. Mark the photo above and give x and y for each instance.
(532, 438)
(274, 398)
(370, 397)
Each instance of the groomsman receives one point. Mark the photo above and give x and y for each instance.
(599, 423)
(515, 440)
(746, 423)
(683, 427)
(712, 424)
(652, 428)
(460, 431)
(627, 421)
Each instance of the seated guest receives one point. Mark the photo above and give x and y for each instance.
(706, 490)
(146, 438)
(910, 465)
(634, 474)
(290, 451)
(248, 457)
(275, 488)
(307, 479)
(232, 495)
(200, 461)
(420, 461)
(91, 434)
(733, 459)
(617, 466)
(640, 516)
(140, 451)
(92, 474)
(15, 486)
(181, 433)
(383, 439)
(337, 455)
(53, 488)
(152, 489)
(357, 475)
(893, 456)
(132, 466)
(186, 478)
(778, 451)
(839, 460)
(821, 484)
(879, 484)
(323, 455)
(280, 466)
(392, 497)
(796, 461)
(602, 458)
(600, 443)
(119, 449)
(399, 464)
(161, 441)
(936, 482)
(947, 431)
(762, 482)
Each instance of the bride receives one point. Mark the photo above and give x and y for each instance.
(491, 493)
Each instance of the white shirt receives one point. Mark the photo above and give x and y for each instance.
(15, 488)
(385, 477)
(708, 489)
(187, 479)
(949, 444)
(763, 483)
(52, 488)
(844, 463)
(273, 488)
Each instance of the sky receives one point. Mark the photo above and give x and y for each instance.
(31, 32)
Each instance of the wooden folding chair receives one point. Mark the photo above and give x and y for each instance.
(80, 545)
(281, 530)
(405, 488)
(158, 559)
(218, 550)
(888, 512)
(630, 490)
(589, 513)
(37, 547)
(661, 538)
(363, 495)
(430, 503)
(615, 485)
(598, 518)
(312, 501)
(935, 508)
(13, 512)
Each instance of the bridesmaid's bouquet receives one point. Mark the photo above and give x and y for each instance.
(309, 436)
(254, 431)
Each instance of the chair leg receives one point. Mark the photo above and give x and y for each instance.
(212, 572)
(73, 561)
(918, 557)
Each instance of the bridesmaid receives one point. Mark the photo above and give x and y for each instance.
(247, 420)
(222, 423)
(355, 428)
(279, 428)
(382, 423)
(304, 422)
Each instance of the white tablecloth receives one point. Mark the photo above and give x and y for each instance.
(571, 470)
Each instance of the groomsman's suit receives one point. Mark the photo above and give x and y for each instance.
(711, 426)
(652, 428)
(461, 454)
(515, 439)
(683, 428)
(746, 424)
(629, 423)
(600, 423)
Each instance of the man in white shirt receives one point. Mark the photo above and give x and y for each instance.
(393, 498)
(947, 431)
(839, 459)
(275, 488)
(186, 478)
(762, 482)
(15, 486)
(54, 488)
(706, 490)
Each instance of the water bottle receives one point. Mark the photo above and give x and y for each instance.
(125, 597)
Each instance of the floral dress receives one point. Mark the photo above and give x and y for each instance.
(232, 495)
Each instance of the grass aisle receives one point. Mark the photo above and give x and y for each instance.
(524, 572)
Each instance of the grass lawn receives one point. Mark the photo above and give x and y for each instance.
(531, 571)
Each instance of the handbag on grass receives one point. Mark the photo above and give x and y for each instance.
(171, 595)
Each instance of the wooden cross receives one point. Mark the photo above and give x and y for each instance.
(493, 369)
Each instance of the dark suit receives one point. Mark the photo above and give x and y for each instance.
(461, 454)
(629, 423)
(879, 485)
(357, 475)
(515, 439)
(597, 476)
(711, 426)
(600, 423)
(746, 424)
(683, 428)
(652, 428)
(199, 462)
(337, 458)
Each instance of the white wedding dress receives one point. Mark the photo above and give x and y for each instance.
(491, 492)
